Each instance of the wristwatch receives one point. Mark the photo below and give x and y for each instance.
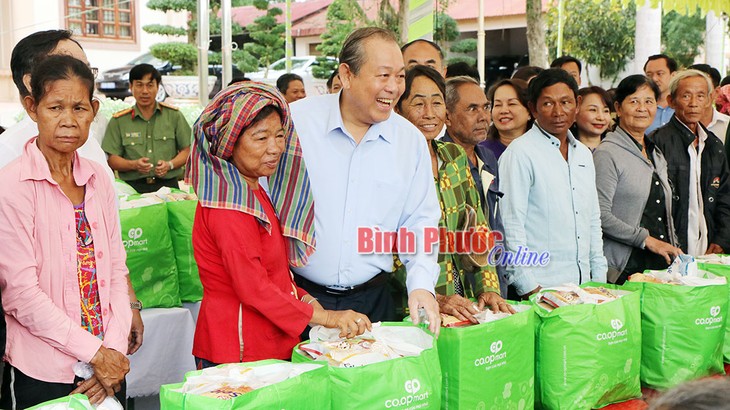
(136, 305)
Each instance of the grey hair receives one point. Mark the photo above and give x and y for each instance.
(353, 50)
(452, 92)
(704, 394)
(681, 75)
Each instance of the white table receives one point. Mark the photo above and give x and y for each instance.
(166, 353)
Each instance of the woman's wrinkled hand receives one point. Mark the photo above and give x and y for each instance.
(93, 389)
(495, 303)
(458, 307)
(110, 367)
(349, 322)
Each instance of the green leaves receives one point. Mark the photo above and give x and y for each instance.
(343, 16)
(164, 30)
(184, 54)
(599, 32)
(682, 36)
(268, 40)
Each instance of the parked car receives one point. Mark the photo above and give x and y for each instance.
(301, 65)
(114, 83)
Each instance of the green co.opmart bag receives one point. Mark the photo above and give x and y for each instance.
(74, 402)
(724, 271)
(683, 328)
(308, 390)
(150, 258)
(412, 382)
(490, 365)
(588, 356)
(181, 215)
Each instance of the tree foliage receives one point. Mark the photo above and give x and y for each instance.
(343, 16)
(445, 29)
(268, 40)
(599, 32)
(683, 36)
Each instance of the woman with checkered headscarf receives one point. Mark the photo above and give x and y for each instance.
(245, 238)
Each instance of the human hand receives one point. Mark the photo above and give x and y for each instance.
(530, 293)
(136, 333)
(162, 168)
(421, 298)
(495, 302)
(351, 323)
(110, 367)
(92, 388)
(457, 306)
(662, 248)
(714, 248)
(142, 165)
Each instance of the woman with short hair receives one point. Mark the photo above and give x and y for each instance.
(634, 192)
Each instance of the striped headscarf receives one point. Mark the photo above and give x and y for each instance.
(218, 183)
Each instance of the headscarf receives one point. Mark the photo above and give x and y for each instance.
(218, 183)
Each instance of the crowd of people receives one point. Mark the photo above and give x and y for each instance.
(570, 185)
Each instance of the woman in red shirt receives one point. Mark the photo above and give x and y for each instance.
(244, 240)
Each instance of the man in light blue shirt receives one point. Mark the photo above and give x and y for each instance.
(550, 202)
(370, 172)
(661, 68)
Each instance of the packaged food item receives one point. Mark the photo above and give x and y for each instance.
(226, 392)
(649, 278)
(560, 298)
(571, 294)
(378, 345)
(452, 321)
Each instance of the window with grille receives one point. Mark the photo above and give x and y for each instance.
(103, 19)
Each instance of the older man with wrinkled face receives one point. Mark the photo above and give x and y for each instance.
(550, 200)
(370, 172)
(697, 167)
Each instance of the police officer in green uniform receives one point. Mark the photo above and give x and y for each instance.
(148, 143)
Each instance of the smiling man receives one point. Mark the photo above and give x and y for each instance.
(148, 143)
(368, 168)
(550, 201)
(697, 166)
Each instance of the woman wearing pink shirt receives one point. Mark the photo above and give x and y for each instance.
(62, 263)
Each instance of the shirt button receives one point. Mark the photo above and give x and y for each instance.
(660, 218)
(656, 183)
(164, 138)
(661, 236)
(658, 201)
(132, 143)
(711, 199)
(94, 225)
(105, 312)
(149, 150)
(100, 254)
(102, 283)
(149, 136)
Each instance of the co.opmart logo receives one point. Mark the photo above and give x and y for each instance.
(616, 325)
(412, 387)
(714, 318)
(496, 356)
(135, 238)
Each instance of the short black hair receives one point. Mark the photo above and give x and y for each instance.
(548, 78)
(631, 84)
(710, 71)
(332, 76)
(59, 67)
(462, 68)
(31, 50)
(421, 71)
(236, 80)
(725, 81)
(139, 72)
(527, 72)
(671, 63)
(282, 83)
(561, 61)
(2, 129)
(423, 40)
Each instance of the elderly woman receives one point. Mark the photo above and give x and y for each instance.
(594, 116)
(422, 103)
(244, 239)
(62, 264)
(510, 116)
(634, 193)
